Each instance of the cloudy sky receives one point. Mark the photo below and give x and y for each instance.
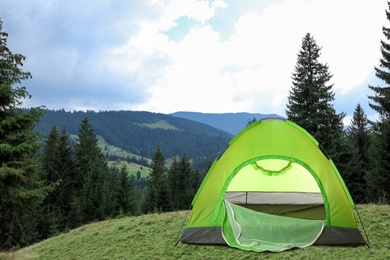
(190, 55)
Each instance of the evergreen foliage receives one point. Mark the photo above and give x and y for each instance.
(310, 101)
(131, 131)
(358, 138)
(197, 180)
(184, 183)
(251, 121)
(93, 178)
(173, 174)
(125, 195)
(20, 188)
(158, 197)
(310, 106)
(57, 167)
(378, 178)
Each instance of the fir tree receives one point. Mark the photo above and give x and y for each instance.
(378, 178)
(310, 100)
(20, 188)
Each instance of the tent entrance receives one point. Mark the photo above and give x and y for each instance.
(250, 230)
(278, 186)
(288, 204)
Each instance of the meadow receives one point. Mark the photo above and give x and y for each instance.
(153, 236)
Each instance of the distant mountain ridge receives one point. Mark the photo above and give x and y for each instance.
(140, 132)
(229, 122)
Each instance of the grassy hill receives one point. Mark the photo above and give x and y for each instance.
(152, 237)
(132, 167)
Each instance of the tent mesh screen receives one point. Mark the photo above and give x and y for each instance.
(250, 230)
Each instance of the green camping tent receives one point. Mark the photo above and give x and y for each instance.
(272, 189)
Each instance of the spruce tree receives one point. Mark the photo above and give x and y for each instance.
(57, 167)
(310, 99)
(184, 183)
(20, 188)
(125, 195)
(378, 179)
(92, 175)
(49, 156)
(358, 138)
(173, 173)
(158, 197)
(66, 171)
(196, 180)
(49, 214)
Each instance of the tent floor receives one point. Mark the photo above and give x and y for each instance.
(330, 236)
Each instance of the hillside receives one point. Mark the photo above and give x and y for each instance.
(232, 123)
(141, 132)
(152, 237)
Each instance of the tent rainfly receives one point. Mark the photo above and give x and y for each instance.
(273, 189)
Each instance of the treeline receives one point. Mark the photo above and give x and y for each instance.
(132, 131)
(362, 153)
(171, 188)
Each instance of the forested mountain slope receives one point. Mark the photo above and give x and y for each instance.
(141, 132)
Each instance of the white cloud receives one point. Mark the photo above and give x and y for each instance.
(172, 10)
(251, 71)
(347, 120)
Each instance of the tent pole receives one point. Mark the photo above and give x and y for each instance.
(361, 222)
(177, 238)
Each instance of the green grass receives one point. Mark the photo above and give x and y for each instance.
(160, 124)
(113, 150)
(152, 237)
(132, 168)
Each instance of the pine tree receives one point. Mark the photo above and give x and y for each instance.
(310, 99)
(20, 188)
(359, 141)
(378, 179)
